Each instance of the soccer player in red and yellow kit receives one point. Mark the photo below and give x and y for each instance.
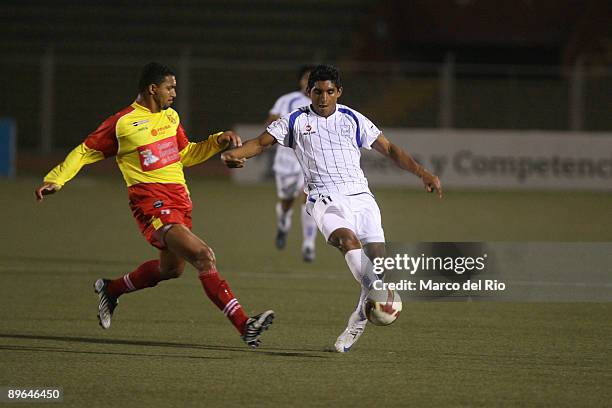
(151, 149)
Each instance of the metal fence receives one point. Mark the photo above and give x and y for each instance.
(57, 100)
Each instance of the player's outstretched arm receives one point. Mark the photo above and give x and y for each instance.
(236, 158)
(403, 160)
(66, 170)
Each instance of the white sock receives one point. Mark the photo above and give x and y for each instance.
(361, 267)
(283, 219)
(309, 229)
(363, 271)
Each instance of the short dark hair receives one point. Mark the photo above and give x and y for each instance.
(325, 73)
(304, 69)
(153, 73)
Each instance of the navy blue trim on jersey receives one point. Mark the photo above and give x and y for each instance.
(352, 115)
(292, 119)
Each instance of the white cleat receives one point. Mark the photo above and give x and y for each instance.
(351, 334)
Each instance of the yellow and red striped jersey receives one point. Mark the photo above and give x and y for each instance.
(149, 148)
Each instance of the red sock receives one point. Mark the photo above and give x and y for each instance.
(145, 276)
(219, 292)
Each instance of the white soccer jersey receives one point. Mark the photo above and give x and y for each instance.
(328, 148)
(285, 162)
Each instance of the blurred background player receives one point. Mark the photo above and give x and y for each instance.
(327, 138)
(151, 149)
(288, 174)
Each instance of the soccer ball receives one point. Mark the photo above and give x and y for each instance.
(382, 307)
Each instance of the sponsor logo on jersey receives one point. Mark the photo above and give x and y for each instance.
(308, 131)
(147, 157)
(140, 122)
(158, 204)
(158, 154)
(160, 130)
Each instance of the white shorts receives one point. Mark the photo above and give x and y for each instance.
(359, 213)
(289, 185)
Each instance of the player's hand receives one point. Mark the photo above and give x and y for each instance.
(231, 161)
(432, 183)
(45, 189)
(231, 139)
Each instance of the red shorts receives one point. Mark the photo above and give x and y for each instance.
(154, 205)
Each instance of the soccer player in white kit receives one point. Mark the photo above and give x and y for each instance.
(327, 138)
(288, 174)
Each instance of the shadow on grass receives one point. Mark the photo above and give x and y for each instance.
(104, 353)
(146, 343)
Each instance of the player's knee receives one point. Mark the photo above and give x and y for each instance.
(204, 258)
(349, 243)
(345, 240)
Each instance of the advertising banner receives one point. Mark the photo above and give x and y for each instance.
(491, 159)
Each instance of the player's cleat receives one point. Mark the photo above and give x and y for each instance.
(281, 239)
(107, 303)
(308, 254)
(255, 326)
(351, 334)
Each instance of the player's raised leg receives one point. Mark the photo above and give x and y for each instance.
(362, 269)
(372, 239)
(335, 219)
(185, 244)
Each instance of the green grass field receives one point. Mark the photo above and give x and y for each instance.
(170, 347)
